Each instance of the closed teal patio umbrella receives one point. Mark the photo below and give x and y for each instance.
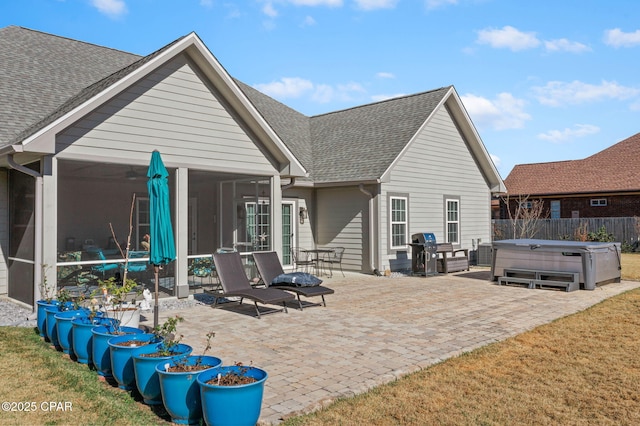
(162, 244)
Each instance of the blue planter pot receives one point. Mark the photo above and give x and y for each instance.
(42, 316)
(122, 357)
(144, 368)
(231, 405)
(63, 324)
(83, 337)
(180, 390)
(50, 322)
(100, 352)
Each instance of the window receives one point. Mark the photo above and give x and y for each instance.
(598, 202)
(555, 209)
(526, 205)
(453, 221)
(258, 225)
(398, 214)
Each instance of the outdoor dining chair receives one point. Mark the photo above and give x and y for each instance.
(302, 259)
(270, 268)
(334, 257)
(235, 283)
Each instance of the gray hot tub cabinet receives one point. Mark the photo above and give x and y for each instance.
(596, 263)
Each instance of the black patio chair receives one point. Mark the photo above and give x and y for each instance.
(303, 259)
(334, 257)
(269, 267)
(235, 283)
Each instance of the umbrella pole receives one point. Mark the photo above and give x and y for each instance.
(155, 306)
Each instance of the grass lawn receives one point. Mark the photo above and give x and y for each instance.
(581, 369)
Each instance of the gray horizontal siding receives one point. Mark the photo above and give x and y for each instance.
(438, 163)
(341, 223)
(171, 110)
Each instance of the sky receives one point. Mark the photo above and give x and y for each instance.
(544, 80)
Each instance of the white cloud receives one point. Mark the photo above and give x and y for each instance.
(287, 87)
(508, 37)
(618, 38)
(578, 131)
(565, 45)
(385, 75)
(206, 3)
(308, 21)
(379, 98)
(269, 10)
(496, 160)
(330, 3)
(376, 4)
(111, 8)
(295, 87)
(503, 112)
(434, 4)
(558, 93)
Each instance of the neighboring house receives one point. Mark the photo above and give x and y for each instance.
(606, 184)
(79, 123)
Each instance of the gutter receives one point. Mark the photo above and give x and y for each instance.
(37, 255)
(372, 233)
(291, 183)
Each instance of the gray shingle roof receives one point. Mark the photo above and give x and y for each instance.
(349, 145)
(361, 143)
(39, 72)
(43, 76)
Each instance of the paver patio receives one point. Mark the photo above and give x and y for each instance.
(373, 330)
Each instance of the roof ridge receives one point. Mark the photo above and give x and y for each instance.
(382, 101)
(72, 39)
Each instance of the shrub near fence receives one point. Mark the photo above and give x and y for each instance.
(625, 230)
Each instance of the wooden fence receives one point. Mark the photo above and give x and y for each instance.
(624, 229)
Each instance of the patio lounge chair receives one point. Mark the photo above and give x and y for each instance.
(269, 267)
(235, 284)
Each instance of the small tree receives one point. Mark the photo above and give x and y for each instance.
(525, 215)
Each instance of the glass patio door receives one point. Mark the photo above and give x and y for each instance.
(288, 229)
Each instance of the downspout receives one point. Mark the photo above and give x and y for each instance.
(291, 183)
(37, 255)
(372, 233)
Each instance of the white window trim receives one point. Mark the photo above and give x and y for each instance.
(447, 221)
(405, 222)
(598, 202)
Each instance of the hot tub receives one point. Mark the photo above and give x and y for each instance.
(596, 263)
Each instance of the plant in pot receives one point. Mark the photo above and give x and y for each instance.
(232, 395)
(119, 301)
(81, 331)
(66, 302)
(48, 300)
(147, 357)
(121, 349)
(179, 386)
(71, 308)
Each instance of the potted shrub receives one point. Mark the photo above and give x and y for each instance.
(48, 301)
(116, 301)
(179, 386)
(121, 350)
(65, 302)
(100, 350)
(64, 327)
(147, 357)
(232, 395)
(82, 337)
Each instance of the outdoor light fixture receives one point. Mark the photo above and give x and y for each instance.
(303, 214)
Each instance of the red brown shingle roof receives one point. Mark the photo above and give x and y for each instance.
(614, 169)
